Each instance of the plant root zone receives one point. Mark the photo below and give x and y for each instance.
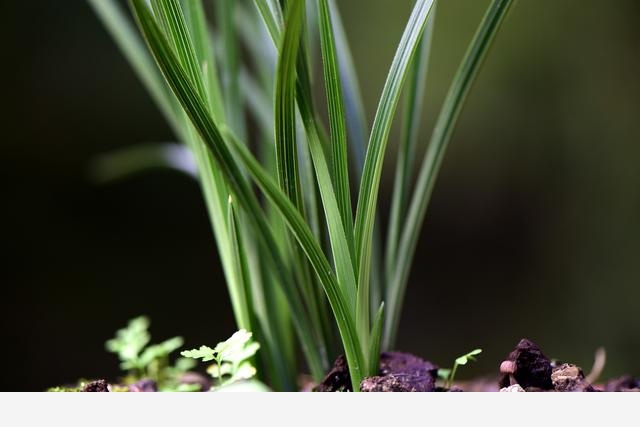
(525, 369)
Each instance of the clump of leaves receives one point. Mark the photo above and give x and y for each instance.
(448, 375)
(301, 265)
(232, 358)
(141, 360)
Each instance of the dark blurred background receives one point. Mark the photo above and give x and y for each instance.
(534, 228)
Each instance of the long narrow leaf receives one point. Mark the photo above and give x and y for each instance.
(376, 338)
(169, 14)
(337, 299)
(197, 110)
(414, 95)
(242, 293)
(368, 196)
(233, 101)
(354, 107)
(204, 50)
(462, 83)
(285, 118)
(341, 254)
(337, 120)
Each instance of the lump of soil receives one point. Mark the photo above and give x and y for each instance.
(528, 366)
(568, 377)
(401, 372)
(96, 386)
(338, 378)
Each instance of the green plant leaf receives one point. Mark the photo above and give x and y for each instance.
(129, 341)
(199, 115)
(205, 353)
(234, 103)
(365, 214)
(413, 96)
(376, 338)
(125, 162)
(337, 124)
(445, 124)
(197, 24)
(444, 373)
(462, 360)
(241, 293)
(170, 16)
(338, 301)
(272, 16)
(285, 119)
(158, 351)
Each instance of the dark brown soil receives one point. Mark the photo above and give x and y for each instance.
(96, 386)
(526, 369)
(399, 372)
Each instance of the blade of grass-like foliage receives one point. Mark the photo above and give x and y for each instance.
(338, 301)
(197, 110)
(367, 199)
(201, 119)
(129, 42)
(458, 91)
(272, 15)
(171, 18)
(354, 108)
(197, 23)
(376, 338)
(286, 143)
(339, 245)
(337, 124)
(277, 353)
(357, 132)
(242, 293)
(242, 300)
(230, 48)
(285, 110)
(337, 235)
(414, 95)
(122, 163)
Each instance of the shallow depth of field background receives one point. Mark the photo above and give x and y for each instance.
(534, 227)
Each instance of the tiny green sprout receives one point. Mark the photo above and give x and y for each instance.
(448, 375)
(141, 360)
(232, 358)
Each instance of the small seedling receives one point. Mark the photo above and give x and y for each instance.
(232, 357)
(141, 360)
(448, 375)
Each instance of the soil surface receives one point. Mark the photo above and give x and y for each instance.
(398, 372)
(525, 369)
